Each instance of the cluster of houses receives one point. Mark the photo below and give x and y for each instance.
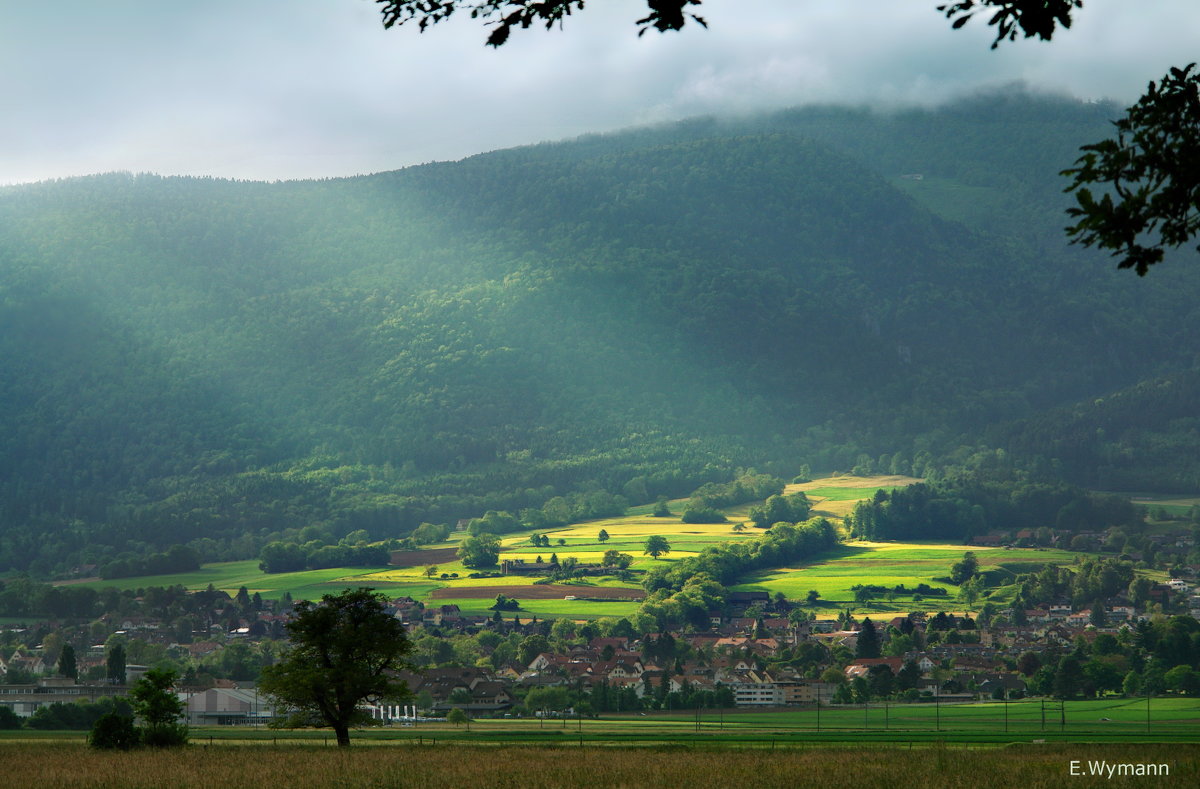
(738, 655)
(742, 663)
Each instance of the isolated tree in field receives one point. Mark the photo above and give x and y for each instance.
(344, 651)
(970, 590)
(430, 570)
(964, 570)
(456, 716)
(812, 596)
(614, 558)
(661, 510)
(158, 709)
(656, 546)
(1149, 181)
(602, 536)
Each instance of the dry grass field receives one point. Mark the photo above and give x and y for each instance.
(54, 766)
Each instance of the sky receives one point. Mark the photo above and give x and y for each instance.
(283, 89)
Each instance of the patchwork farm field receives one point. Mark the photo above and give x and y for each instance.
(831, 575)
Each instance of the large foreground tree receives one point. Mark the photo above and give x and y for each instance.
(344, 651)
(1147, 178)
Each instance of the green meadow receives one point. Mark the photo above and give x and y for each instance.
(892, 564)
(1106, 720)
(307, 584)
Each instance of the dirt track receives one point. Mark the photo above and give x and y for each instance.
(421, 558)
(538, 592)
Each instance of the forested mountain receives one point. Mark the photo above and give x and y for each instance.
(213, 362)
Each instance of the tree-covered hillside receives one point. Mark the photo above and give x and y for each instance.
(213, 362)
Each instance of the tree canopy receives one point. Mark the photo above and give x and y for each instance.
(344, 650)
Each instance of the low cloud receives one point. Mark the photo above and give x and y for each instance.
(313, 88)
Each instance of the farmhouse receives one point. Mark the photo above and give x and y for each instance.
(522, 567)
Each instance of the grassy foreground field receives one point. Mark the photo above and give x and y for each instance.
(50, 766)
(983, 745)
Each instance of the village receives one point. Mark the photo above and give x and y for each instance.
(760, 652)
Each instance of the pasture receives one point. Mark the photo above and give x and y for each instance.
(889, 564)
(305, 584)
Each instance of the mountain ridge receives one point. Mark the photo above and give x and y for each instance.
(215, 362)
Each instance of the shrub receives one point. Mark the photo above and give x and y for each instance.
(114, 732)
(165, 735)
(9, 719)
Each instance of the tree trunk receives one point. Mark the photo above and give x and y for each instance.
(343, 735)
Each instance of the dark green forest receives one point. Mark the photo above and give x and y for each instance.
(222, 364)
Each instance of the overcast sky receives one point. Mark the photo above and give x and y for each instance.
(276, 89)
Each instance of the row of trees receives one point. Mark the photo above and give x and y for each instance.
(285, 557)
(176, 559)
(782, 543)
(960, 507)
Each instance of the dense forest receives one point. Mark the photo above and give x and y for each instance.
(221, 365)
